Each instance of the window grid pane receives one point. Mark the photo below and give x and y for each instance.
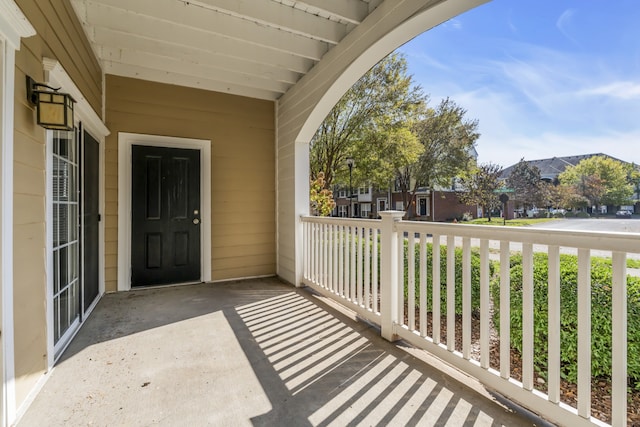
(66, 300)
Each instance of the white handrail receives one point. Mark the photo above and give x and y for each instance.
(343, 256)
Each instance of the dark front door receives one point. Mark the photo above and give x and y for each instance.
(165, 217)
(423, 207)
(90, 219)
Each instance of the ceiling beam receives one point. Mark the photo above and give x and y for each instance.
(353, 11)
(279, 16)
(117, 40)
(126, 15)
(213, 43)
(160, 76)
(177, 66)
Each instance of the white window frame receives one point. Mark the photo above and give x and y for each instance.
(365, 210)
(125, 142)
(342, 211)
(385, 204)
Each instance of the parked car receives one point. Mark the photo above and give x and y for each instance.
(623, 214)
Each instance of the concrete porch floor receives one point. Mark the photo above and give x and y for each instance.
(255, 352)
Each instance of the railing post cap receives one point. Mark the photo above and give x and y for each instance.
(391, 214)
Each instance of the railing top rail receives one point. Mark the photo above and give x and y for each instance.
(346, 221)
(600, 240)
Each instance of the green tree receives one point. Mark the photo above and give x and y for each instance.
(448, 139)
(479, 187)
(321, 198)
(633, 176)
(600, 180)
(526, 182)
(374, 110)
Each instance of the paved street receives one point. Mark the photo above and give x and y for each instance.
(582, 224)
(593, 224)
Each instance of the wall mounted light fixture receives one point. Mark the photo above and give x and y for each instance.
(54, 110)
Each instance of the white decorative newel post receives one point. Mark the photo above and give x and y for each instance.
(389, 273)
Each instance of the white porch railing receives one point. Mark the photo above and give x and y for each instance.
(361, 264)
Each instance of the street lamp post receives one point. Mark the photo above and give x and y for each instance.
(350, 163)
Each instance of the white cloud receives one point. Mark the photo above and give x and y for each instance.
(564, 23)
(623, 90)
(453, 23)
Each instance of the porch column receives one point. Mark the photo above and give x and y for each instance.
(301, 184)
(389, 273)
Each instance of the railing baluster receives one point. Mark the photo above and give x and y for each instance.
(325, 255)
(423, 284)
(400, 290)
(553, 333)
(346, 261)
(619, 340)
(305, 257)
(411, 282)
(435, 313)
(485, 332)
(584, 333)
(527, 316)
(466, 297)
(367, 267)
(336, 266)
(451, 292)
(316, 246)
(359, 281)
(374, 267)
(329, 245)
(340, 255)
(353, 269)
(505, 310)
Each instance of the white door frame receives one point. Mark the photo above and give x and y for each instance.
(125, 142)
(84, 113)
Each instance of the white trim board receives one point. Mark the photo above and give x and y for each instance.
(125, 142)
(14, 25)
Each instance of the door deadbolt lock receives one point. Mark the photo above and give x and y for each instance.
(196, 221)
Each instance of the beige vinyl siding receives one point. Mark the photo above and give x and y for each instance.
(59, 37)
(241, 131)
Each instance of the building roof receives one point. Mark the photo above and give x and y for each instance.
(554, 166)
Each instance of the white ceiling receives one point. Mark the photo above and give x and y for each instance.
(255, 48)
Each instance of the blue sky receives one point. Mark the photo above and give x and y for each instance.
(544, 78)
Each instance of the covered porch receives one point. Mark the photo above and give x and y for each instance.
(256, 352)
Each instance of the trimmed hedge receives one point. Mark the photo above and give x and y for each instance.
(601, 324)
(475, 277)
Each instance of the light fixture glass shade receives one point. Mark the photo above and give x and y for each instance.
(54, 110)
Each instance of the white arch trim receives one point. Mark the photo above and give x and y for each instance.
(301, 110)
(414, 26)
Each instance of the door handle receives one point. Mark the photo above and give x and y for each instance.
(196, 221)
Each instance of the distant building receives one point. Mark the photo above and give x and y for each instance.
(441, 204)
(554, 166)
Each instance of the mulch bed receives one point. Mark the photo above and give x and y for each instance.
(600, 387)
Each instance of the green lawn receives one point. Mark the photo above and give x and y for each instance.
(518, 222)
